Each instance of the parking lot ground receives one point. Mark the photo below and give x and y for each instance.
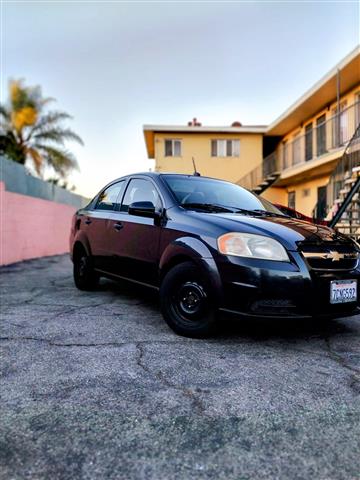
(95, 386)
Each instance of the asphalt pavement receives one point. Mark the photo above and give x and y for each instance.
(95, 386)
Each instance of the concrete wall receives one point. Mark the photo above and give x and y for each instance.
(32, 227)
(17, 180)
(35, 220)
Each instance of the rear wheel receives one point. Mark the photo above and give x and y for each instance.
(186, 302)
(85, 277)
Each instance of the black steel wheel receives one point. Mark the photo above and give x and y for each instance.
(85, 277)
(186, 302)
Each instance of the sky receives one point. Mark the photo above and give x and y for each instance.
(115, 66)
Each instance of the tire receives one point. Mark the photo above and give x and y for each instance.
(84, 276)
(186, 302)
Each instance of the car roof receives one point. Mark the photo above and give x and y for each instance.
(159, 174)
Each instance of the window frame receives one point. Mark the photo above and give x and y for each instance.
(357, 108)
(296, 148)
(339, 131)
(309, 141)
(118, 198)
(173, 140)
(149, 179)
(324, 130)
(214, 141)
(291, 198)
(285, 153)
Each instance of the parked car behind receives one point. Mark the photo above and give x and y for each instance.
(300, 216)
(208, 245)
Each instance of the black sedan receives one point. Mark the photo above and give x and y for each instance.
(209, 245)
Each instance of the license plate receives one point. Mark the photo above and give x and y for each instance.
(343, 291)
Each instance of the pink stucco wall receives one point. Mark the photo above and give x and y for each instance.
(32, 227)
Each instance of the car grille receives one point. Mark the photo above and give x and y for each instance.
(333, 256)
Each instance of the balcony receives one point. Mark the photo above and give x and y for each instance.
(324, 138)
(320, 142)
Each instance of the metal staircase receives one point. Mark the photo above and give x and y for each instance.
(261, 177)
(343, 190)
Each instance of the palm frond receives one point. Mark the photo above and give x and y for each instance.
(28, 130)
(46, 101)
(12, 148)
(37, 158)
(48, 120)
(58, 135)
(60, 160)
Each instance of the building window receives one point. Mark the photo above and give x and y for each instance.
(296, 149)
(321, 135)
(225, 148)
(357, 110)
(291, 200)
(309, 141)
(339, 126)
(285, 154)
(172, 148)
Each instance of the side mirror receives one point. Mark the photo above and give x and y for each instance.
(143, 209)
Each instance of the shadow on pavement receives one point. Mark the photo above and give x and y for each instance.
(233, 326)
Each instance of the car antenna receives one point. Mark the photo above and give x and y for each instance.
(196, 173)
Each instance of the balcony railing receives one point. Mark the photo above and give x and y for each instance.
(320, 139)
(260, 174)
(325, 137)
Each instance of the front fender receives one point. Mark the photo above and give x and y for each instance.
(197, 251)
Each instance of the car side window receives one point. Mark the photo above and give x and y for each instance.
(110, 198)
(140, 190)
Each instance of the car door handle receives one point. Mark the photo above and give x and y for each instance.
(87, 221)
(118, 226)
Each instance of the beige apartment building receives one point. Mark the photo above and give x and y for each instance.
(289, 161)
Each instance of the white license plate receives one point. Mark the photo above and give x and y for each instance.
(343, 291)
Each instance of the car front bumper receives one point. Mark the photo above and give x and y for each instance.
(265, 288)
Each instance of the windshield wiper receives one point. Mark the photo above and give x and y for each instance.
(269, 214)
(245, 211)
(215, 207)
(209, 207)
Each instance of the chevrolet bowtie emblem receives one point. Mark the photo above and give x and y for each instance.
(335, 256)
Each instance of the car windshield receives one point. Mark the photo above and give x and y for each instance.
(195, 192)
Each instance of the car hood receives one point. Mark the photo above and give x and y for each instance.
(289, 231)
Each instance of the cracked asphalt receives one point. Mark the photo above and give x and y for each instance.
(95, 386)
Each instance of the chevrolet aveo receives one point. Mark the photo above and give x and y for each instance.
(208, 245)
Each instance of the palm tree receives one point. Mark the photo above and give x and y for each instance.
(29, 132)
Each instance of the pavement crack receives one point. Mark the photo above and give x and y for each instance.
(92, 344)
(140, 358)
(67, 344)
(188, 392)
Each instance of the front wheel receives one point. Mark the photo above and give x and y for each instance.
(186, 302)
(85, 277)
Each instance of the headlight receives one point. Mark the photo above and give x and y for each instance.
(252, 246)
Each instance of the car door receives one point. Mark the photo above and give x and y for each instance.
(98, 223)
(135, 242)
